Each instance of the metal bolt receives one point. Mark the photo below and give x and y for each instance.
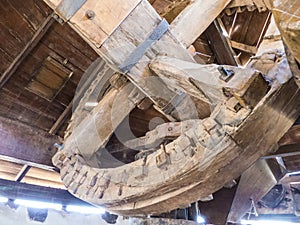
(90, 14)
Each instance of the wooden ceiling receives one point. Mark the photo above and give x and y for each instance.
(19, 24)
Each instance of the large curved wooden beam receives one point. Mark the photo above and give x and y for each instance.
(197, 163)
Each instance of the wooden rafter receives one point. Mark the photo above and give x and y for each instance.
(26, 50)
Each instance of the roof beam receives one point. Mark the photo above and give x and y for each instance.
(285, 151)
(24, 144)
(27, 49)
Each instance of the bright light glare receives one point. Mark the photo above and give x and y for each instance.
(200, 219)
(3, 200)
(225, 33)
(38, 205)
(85, 209)
(267, 222)
(294, 173)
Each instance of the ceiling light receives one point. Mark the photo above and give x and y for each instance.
(85, 209)
(38, 204)
(3, 199)
(200, 219)
(267, 222)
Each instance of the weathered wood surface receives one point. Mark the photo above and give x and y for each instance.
(291, 137)
(287, 17)
(187, 30)
(127, 36)
(220, 44)
(261, 5)
(94, 131)
(150, 185)
(20, 141)
(255, 183)
(210, 85)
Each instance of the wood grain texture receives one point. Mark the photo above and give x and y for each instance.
(23, 142)
(108, 16)
(187, 30)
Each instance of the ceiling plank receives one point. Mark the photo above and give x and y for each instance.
(21, 142)
(26, 50)
(262, 176)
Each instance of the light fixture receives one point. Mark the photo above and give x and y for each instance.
(200, 219)
(38, 204)
(267, 222)
(3, 199)
(85, 209)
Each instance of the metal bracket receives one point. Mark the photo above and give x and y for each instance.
(140, 51)
(67, 8)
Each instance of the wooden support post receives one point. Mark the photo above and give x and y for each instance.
(255, 182)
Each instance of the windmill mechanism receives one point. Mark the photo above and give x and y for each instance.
(157, 126)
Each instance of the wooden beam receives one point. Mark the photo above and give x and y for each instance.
(61, 119)
(17, 190)
(291, 137)
(27, 49)
(285, 151)
(243, 47)
(195, 18)
(287, 16)
(220, 44)
(85, 83)
(22, 142)
(216, 210)
(255, 182)
(173, 10)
